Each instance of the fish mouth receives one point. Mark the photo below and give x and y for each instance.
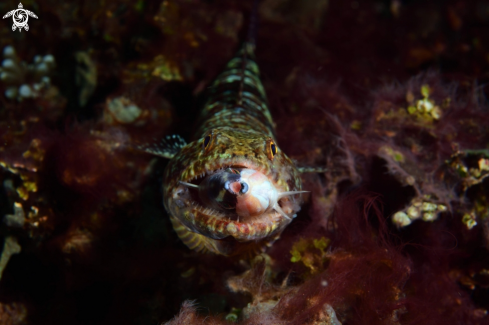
(219, 224)
(220, 165)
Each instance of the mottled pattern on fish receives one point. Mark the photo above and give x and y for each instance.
(236, 130)
(237, 98)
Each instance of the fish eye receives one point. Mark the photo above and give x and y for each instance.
(207, 140)
(271, 149)
(244, 188)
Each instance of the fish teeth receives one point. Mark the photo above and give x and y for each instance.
(207, 211)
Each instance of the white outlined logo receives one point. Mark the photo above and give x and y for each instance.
(20, 17)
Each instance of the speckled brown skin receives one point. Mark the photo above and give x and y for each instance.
(239, 128)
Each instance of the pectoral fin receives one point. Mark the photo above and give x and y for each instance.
(166, 148)
(305, 169)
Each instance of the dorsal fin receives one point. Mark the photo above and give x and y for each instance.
(167, 147)
(248, 49)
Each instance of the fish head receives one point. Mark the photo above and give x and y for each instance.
(269, 172)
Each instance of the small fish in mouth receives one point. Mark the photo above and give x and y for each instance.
(247, 191)
(219, 190)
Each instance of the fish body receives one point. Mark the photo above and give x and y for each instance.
(236, 133)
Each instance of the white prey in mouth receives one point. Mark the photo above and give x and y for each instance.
(249, 192)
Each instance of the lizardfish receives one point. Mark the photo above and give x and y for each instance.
(231, 190)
